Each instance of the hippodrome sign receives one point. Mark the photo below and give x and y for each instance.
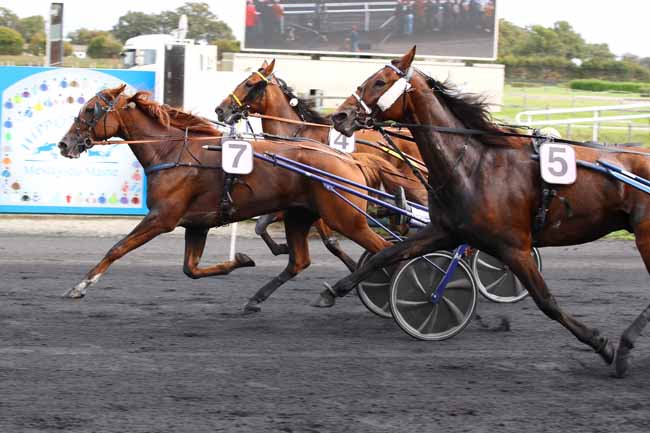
(38, 106)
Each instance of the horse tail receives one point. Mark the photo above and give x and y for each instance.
(377, 171)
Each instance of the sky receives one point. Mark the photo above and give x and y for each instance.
(622, 23)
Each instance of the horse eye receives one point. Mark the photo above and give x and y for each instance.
(89, 109)
(380, 83)
(248, 84)
(359, 89)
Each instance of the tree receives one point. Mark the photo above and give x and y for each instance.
(8, 18)
(68, 49)
(83, 36)
(598, 52)
(202, 23)
(136, 23)
(29, 26)
(104, 46)
(37, 44)
(10, 41)
(510, 37)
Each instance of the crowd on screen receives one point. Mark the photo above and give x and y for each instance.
(265, 20)
(448, 16)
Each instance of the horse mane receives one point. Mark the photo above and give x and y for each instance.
(302, 109)
(472, 110)
(169, 116)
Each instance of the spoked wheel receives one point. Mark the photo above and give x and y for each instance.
(374, 290)
(495, 281)
(411, 301)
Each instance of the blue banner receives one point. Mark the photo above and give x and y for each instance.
(38, 106)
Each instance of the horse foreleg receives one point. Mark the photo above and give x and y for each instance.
(296, 224)
(629, 336)
(151, 226)
(195, 244)
(427, 240)
(260, 229)
(332, 244)
(523, 265)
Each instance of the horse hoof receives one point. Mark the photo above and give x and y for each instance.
(74, 293)
(326, 299)
(622, 365)
(243, 260)
(280, 250)
(252, 307)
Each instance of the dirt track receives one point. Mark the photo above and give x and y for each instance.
(150, 350)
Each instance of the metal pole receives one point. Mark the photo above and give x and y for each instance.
(233, 241)
(366, 16)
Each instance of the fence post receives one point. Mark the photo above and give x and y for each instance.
(594, 134)
(233, 241)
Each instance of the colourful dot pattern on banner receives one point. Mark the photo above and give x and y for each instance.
(37, 111)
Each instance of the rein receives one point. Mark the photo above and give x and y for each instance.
(285, 120)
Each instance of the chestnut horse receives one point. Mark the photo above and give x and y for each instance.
(486, 189)
(264, 93)
(187, 189)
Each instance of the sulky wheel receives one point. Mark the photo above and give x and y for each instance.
(373, 291)
(495, 281)
(411, 297)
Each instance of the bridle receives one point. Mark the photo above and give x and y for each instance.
(243, 107)
(366, 116)
(99, 112)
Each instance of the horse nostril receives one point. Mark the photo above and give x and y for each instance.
(62, 145)
(339, 117)
(220, 113)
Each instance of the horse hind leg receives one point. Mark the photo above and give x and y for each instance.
(261, 230)
(195, 239)
(333, 245)
(524, 267)
(297, 223)
(630, 335)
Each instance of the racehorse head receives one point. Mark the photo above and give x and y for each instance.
(98, 119)
(252, 95)
(383, 96)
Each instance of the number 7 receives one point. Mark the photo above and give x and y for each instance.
(241, 148)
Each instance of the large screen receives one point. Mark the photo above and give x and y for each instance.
(440, 28)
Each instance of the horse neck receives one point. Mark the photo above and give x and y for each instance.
(278, 127)
(450, 158)
(141, 127)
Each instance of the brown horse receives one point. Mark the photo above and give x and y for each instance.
(487, 189)
(189, 191)
(264, 93)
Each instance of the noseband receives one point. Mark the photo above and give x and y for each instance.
(99, 112)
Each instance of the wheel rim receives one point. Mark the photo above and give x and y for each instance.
(410, 298)
(495, 281)
(374, 290)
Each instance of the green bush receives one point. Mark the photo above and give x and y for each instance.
(11, 42)
(103, 47)
(603, 86)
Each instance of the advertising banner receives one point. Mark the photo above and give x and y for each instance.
(463, 29)
(38, 106)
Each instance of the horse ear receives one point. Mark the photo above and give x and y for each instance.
(265, 64)
(268, 70)
(404, 63)
(118, 90)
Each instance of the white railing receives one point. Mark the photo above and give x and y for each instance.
(527, 117)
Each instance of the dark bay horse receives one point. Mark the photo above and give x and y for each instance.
(264, 93)
(189, 191)
(486, 189)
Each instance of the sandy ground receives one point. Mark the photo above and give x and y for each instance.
(149, 350)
